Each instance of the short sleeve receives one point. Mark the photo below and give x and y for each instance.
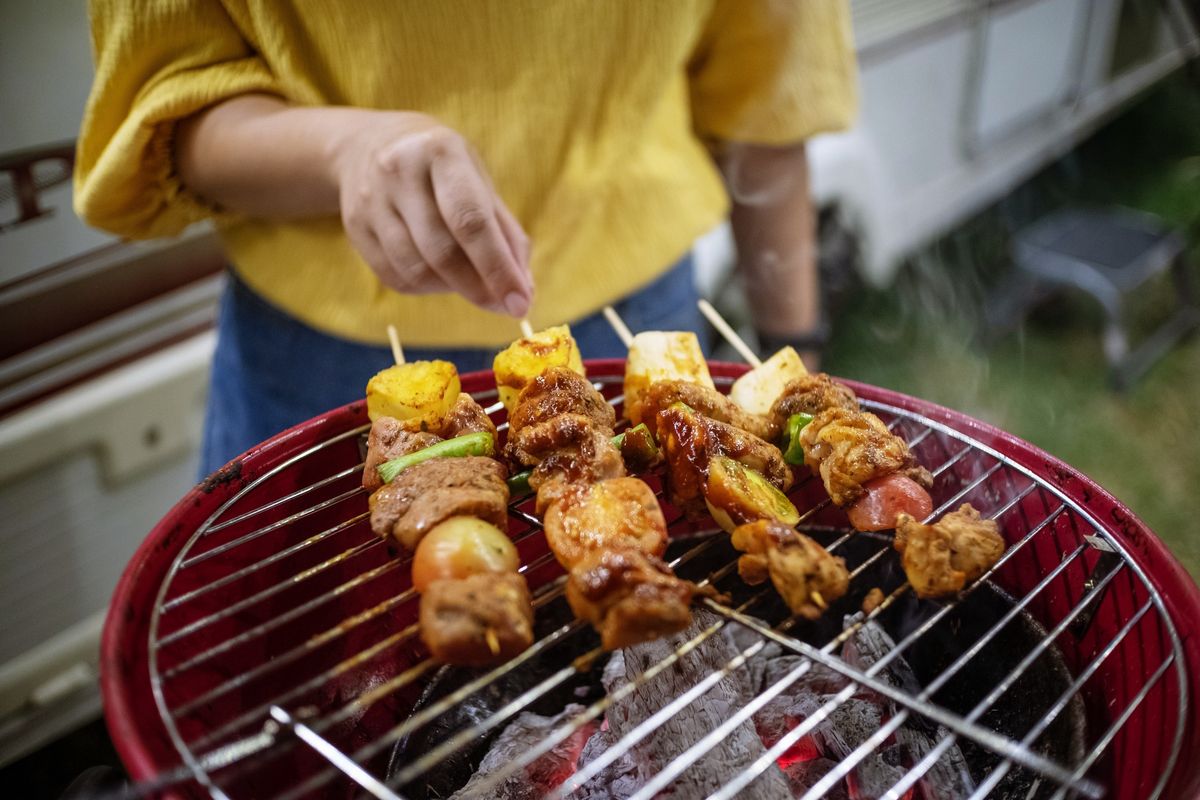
(156, 63)
(773, 73)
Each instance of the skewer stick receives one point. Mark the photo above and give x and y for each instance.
(618, 324)
(397, 350)
(729, 334)
(526, 329)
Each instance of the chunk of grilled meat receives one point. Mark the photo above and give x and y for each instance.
(709, 402)
(433, 491)
(616, 514)
(565, 450)
(806, 575)
(811, 395)
(629, 596)
(476, 621)
(940, 559)
(391, 438)
(559, 391)
(690, 439)
(850, 448)
(467, 416)
(562, 427)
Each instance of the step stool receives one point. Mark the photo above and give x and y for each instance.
(1109, 253)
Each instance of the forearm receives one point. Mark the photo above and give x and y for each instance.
(413, 196)
(258, 155)
(774, 229)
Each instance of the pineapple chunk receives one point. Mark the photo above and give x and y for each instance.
(525, 359)
(660, 356)
(757, 390)
(423, 391)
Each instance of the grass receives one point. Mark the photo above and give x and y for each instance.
(1047, 382)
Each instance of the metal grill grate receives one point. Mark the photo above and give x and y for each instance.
(283, 641)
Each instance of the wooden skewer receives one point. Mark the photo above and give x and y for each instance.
(493, 641)
(526, 329)
(728, 333)
(618, 324)
(397, 350)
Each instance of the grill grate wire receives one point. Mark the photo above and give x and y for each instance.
(978, 470)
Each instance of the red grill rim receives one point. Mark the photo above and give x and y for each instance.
(146, 747)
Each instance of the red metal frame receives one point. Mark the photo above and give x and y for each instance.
(146, 749)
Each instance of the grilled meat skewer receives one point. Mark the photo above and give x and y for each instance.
(866, 469)
(606, 529)
(475, 607)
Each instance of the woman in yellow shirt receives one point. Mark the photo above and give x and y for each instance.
(380, 162)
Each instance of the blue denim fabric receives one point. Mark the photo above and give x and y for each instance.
(271, 371)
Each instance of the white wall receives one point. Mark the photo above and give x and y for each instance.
(45, 70)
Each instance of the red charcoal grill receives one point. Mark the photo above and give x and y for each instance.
(262, 641)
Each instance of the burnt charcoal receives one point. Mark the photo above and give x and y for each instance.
(809, 759)
(538, 778)
(858, 718)
(456, 769)
(732, 755)
(1037, 688)
(803, 775)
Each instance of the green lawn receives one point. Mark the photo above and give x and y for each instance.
(1047, 381)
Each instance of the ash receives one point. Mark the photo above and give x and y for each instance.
(800, 767)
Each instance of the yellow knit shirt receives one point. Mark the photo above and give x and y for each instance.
(588, 114)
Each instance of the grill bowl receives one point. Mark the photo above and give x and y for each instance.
(265, 579)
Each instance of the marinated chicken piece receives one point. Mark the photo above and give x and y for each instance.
(467, 416)
(690, 439)
(563, 428)
(850, 448)
(569, 447)
(806, 575)
(433, 491)
(629, 597)
(391, 438)
(706, 401)
(476, 621)
(558, 391)
(617, 514)
(940, 559)
(811, 395)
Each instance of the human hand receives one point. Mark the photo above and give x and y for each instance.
(418, 205)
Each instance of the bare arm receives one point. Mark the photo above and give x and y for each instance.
(774, 228)
(412, 194)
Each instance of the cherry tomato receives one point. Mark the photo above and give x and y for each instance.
(885, 498)
(461, 547)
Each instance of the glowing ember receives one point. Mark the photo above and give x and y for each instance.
(803, 750)
(550, 773)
